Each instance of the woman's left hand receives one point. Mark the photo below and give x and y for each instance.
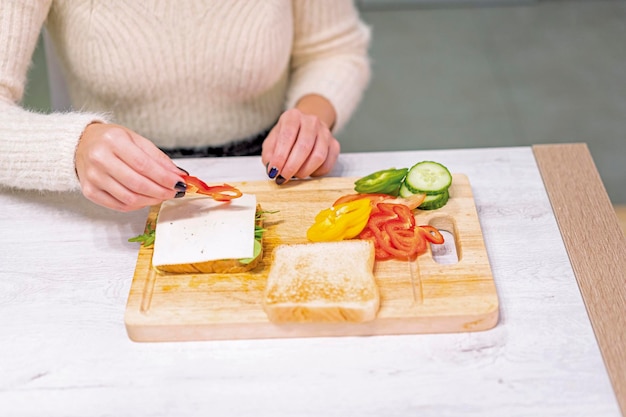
(301, 144)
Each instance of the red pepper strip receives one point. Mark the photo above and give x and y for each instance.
(378, 220)
(223, 192)
(387, 212)
(431, 234)
(380, 253)
(405, 215)
(392, 227)
(393, 230)
(405, 239)
(374, 198)
(384, 240)
(411, 202)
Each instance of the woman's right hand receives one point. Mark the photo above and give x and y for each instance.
(119, 169)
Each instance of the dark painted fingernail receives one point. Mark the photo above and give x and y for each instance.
(184, 170)
(179, 194)
(273, 172)
(180, 186)
(280, 180)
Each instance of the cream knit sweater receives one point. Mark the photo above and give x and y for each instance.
(179, 72)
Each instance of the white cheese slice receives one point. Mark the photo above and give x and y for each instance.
(200, 229)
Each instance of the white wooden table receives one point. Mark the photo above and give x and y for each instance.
(66, 269)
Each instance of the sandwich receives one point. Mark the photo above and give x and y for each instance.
(213, 229)
(197, 234)
(322, 282)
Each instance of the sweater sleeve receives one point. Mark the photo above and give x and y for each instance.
(330, 55)
(36, 150)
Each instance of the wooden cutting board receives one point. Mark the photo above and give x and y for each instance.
(429, 295)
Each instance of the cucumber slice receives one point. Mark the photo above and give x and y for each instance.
(435, 201)
(404, 191)
(428, 177)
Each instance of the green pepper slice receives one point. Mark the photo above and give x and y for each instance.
(386, 181)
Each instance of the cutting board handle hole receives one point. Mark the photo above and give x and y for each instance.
(448, 252)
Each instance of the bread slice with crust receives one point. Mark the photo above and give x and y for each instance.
(322, 282)
(195, 235)
(220, 266)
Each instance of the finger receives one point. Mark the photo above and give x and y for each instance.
(317, 157)
(157, 179)
(310, 128)
(100, 196)
(286, 136)
(334, 149)
(105, 199)
(267, 148)
(129, 199)
(154, 152)
(134, 182)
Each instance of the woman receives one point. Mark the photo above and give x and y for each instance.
(180, 78)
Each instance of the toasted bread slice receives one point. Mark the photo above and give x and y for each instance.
(220, 266)
(322, 282)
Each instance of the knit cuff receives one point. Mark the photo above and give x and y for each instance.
(38, 149)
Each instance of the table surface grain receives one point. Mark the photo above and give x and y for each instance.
(66, 269)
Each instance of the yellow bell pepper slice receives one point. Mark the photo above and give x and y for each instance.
(343, 221)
